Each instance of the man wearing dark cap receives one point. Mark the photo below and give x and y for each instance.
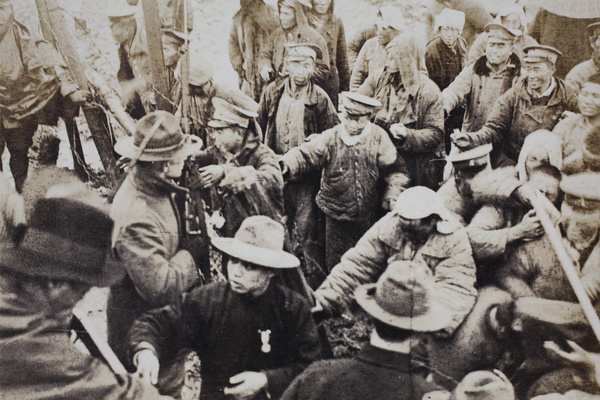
(536, 102)
(290, 111)
(253, 335)
(591, 68)
(480, 84)
(402, 304)
(63, 253)
(147, 230)
(241, 173)
(355, 157)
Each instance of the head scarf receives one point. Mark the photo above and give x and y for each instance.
(513, 8)
(546, 140)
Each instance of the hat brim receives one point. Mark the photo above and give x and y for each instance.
(256, 255)
(222, 124)
(38, 264)
(126, 148)
(433, 320)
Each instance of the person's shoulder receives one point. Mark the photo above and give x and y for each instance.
(291, 299)
(429, 87)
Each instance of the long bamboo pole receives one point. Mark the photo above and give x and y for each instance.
(567, 263)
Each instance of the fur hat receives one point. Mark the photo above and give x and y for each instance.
(68, 238)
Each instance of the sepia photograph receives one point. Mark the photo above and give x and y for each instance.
(300, 199)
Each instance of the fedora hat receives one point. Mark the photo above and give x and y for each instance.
(404, 297)
(68, 238)
(167, 143)
(259, 240)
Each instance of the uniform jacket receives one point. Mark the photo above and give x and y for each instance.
(146, 239)
(478, 87)
(252, 184)
(224, 328)
(423, 116)
(583, 72)
(38, 361)
(373, 374)
(370, 58)
(514, 116)
(448, 255)
(332, 30)
(319, 112)
(249, 34)
(350, 173)
(443, 63)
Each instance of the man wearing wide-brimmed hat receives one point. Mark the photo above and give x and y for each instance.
(147, 226)
(419, 228)
(536, 102)
(401, 304)
(62, 254)
(252, 334)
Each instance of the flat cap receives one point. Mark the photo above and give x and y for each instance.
(500, 31)
(302, 51)
(539, 53)
(473, 158)
(226, 115)
(359, 104)
(121, 11)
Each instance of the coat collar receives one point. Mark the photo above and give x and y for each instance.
(481, 68)
(389, 359)
(150, 184)
(310, 99)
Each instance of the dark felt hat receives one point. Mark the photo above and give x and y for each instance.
(68, 238)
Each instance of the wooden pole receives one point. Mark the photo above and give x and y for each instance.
(567, 263)
(155, 54)
(52, 18)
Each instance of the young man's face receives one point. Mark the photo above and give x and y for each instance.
(589, 99)
(385, 34)
(175, 168)
(449, 35)
(300, 71)
(512, 21)
(287, 17)
(498, 51)
(548, 185)
(321, 6)
(595, 41)
(539, 75)
(246, 278)
(355, 124)
(418, 230)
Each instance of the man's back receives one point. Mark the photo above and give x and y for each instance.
(373, 374)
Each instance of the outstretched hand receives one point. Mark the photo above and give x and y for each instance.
(147, 366)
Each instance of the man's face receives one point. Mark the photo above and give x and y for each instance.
(300, 71)
(175, 168)
(121, 29)
(171, 52)
(449, 35)
(385, 34)
(538, 75)
(228, 139)
(355, 124)
(418, 230)
(546, 184)
(498, 51)
(321, 6)
(287, 17)
(580, 218)
(463, 179)
(589, 99)
(246, 278)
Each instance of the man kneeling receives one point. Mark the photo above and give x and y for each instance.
(253, 336)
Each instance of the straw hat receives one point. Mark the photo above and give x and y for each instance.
(259, 240)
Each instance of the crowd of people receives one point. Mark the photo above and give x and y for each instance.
(449, 190)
